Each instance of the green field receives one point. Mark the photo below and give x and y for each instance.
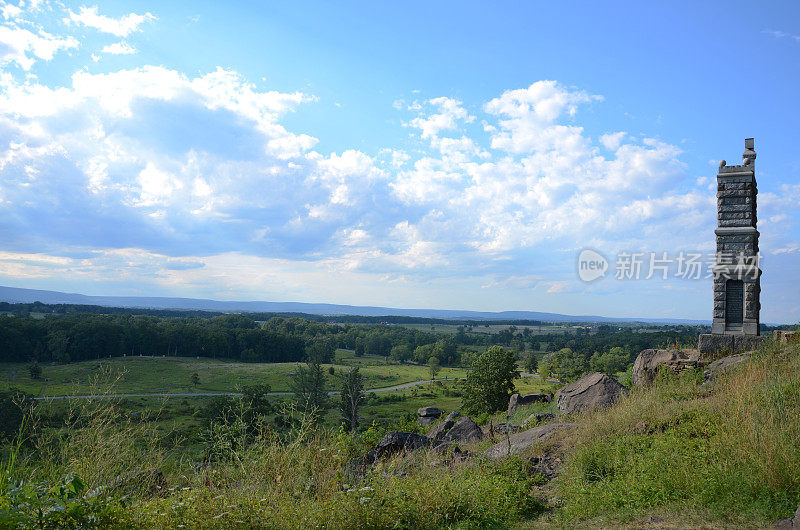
(154, 375)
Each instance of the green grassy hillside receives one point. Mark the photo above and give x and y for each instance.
(723, 456)
(674, 455)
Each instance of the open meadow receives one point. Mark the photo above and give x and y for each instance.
(157, 375)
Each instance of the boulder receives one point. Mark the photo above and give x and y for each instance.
(518, 400)
(590, 392)
(428, 415)
(648, 362)
(440, 429)
(429, 412)
(396, 442)
(453, 416)
(465, 431)
(518, 443)
(720, 366)
(790, 523)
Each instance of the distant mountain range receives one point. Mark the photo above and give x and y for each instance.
(17, 295)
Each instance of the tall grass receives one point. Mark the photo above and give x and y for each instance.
(302, 478)
(307, 485)
(731, 453)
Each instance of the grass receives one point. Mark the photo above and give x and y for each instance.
(150, 375)
(303, 478)
(693, 456)
(680, 451)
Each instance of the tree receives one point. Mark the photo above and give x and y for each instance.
(195, 379)
(320, 351)
(401, 352)
(490, 383)
(35, 370)
(531, 363)
(563, 364)
(58, 344)
(352, 393)
(433, 366)
(611, 362)
(308, 385)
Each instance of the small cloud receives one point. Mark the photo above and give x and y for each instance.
(555, 286)
(777, 34)
(119, 48)
(121, 27)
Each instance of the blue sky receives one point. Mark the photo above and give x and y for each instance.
(426, 155)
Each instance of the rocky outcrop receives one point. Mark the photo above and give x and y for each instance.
(590, 392)
(453, 416)
(464, 431)
(518, 443)
(428, 415)
(440, 429)
(429, 412)
(396, 442)
(518, 400)
(456, 428)
(790, 523)
(720, 366)
(648, 363)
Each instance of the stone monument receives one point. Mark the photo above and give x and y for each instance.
(737, 276)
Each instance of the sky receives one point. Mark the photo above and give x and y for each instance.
(448, 155)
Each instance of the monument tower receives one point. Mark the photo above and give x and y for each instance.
(737, 276)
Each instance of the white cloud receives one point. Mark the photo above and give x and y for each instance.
(612, 141)
(119, 48)
(782, 34)
(120, 27)
(11, 12)
(450, 113)
(24, 47)
(529, 115)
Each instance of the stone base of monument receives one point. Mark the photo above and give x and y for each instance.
(718, 343)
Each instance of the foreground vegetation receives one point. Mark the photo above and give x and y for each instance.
(724, 456)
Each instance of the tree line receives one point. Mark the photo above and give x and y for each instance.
(84, 336)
